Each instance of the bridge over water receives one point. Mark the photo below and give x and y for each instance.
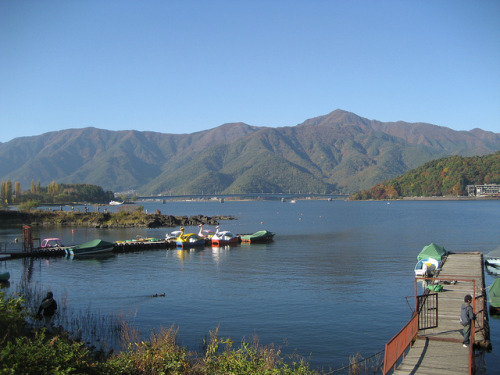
(249, 196)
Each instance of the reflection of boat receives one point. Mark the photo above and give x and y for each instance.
(115, 203)
(90, 248)
(494, 297)
(260, 236)
(5, 276)
(49, 243)
(189, 239)
(426, 267)
(221, 238)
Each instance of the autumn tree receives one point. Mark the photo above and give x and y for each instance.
(17, 189)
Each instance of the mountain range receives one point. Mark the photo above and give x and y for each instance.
(340, 152)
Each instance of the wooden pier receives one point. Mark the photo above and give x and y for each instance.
(435, 331)
(122, 247)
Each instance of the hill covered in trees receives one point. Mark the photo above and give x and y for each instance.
(442, 177)
(336, 153)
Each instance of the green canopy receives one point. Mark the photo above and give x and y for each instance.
(494, 292)
(432, 251)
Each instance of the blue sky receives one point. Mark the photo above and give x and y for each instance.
(183, 66)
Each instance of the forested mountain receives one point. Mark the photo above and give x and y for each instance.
(443, 177)
(338, 152)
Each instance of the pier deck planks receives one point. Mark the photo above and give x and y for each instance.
(439, 350)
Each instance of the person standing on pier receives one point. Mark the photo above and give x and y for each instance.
(49, 307)
(466, 318)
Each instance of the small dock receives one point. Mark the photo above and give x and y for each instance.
(437, 343)
(121, 247)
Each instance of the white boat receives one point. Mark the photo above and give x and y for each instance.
(493, 258)
(115, 203)
(426, 267)
(225, 237)
(173, 235)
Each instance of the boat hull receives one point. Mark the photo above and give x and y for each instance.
(189, 240)
(223, 242)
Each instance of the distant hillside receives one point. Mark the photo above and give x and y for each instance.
(338, 152)
(444, 177)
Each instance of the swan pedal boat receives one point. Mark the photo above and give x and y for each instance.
(221, 238)
(189, 239)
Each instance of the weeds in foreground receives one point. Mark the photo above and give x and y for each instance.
(37, 351)
(250, 358)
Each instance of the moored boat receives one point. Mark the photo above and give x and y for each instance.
(173, 235)
(115, 203)
(221, 238)
(205, 233)
(494, 297)
(426, 267)
(4, 276)
(493, 258)
(50, 243)
(429, 259)
(90, 248)
(258, 237)
(189, 239)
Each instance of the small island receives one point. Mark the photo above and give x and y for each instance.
(136, 218)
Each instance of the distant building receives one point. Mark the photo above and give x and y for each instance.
(488, 190)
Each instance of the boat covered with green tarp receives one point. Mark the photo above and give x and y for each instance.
(494, 296)
(260, 236)
(91, 248)
(432, 251)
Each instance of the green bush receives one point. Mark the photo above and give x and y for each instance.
(46, 355)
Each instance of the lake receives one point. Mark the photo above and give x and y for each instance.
(336, 281)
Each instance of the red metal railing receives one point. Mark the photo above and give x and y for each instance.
(396, 347)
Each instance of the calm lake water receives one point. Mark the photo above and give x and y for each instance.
(336, 281)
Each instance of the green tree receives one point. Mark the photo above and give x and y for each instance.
(17, 189)
(8, 191)
(3, 194)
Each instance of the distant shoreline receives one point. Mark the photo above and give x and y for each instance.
(445, 198)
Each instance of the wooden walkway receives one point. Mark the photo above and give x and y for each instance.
(440, 350)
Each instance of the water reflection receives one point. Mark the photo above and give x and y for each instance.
(313, 287)
(95, 260)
